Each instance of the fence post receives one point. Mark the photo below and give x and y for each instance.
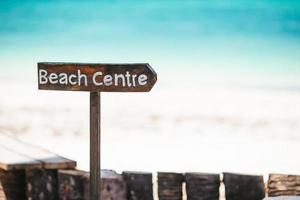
(169, 186)
(246, 187)
(200, 186)
(139, 185)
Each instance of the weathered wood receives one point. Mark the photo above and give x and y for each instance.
(201, 186)
(243, 187)
(96, 77)
(12, 185)
(283, 184)
(139, 185)
(42, 184)
(11, 160)
(169, 185)
(73, 184)
(95, 141)
(113, 186)
(16, 154)
(283, 198)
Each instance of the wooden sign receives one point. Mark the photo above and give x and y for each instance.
(96, 77)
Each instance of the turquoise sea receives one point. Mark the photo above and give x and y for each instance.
(256, 38)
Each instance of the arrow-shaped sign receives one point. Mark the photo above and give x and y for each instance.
(96, 77)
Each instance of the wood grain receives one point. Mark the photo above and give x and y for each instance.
(95, 140)
(200, 186)
(12, 185)
(139, 185)
(283, 184)
(15, 154)
(245, 187)
(89, 69)
(170, 185)
(42, 184)
(73, 184)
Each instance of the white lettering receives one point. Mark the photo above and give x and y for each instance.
(133, 79)
(43, 76)
(119, 76)
(53, 78)
(108, 80)
(72, 76)
(142, 79)
(63, 78)
(81, 76)
(94, 78)
(127, 75)
(98, 79)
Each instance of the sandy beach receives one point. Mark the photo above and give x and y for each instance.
(198, 127)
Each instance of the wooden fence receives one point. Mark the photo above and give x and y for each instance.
(30, 172)
(51, 184)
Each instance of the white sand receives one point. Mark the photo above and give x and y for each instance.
(188, 126)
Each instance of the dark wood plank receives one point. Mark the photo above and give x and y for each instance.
(96, 77)
(42, 184)
(243, 187)
(200, 186)
(95, 141)
(283, 184)
(139, 185)
(12, 185)
(73, 184)
(113, 186)
(169, 185)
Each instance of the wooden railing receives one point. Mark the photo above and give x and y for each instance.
(74, 184)
(30, 172)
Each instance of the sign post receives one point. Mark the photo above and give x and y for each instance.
(95, 78)
(95, 140)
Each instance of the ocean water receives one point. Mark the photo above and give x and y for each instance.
(254, 43)
(232, 41)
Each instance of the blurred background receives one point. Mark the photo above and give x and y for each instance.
(227, 96)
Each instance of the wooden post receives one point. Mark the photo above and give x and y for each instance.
(246, 187)
(42, 184)
(169, 185)
(283, 185)
(12, 184)
(202, 186)
(95, 132)
(96, 78)
(73, 184)
(139, 185)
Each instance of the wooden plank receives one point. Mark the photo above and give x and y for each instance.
(16, 154)
(12, 185)
(283, 184)
(246, 187)
(200, 186)
(73, 184)
(169, 185)
(113, 186)
(96, 77)
(10, 160)
(42, 184)
(283, 198)
(139, 185)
